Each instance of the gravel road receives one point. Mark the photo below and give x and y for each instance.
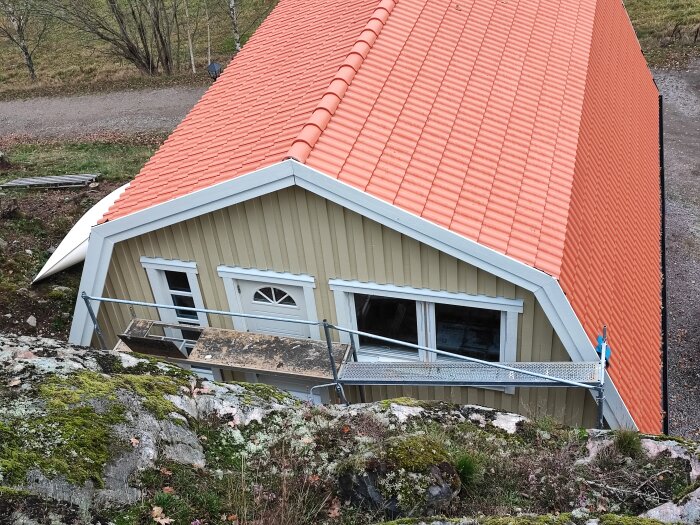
(134, 111)
(681, 91)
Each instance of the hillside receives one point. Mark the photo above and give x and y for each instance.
(89, 436)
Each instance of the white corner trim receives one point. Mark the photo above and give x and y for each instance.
(157, 263)
(288, 173)
(267, 276)
(428, 295)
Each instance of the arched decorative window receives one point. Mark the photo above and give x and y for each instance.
(269, 295)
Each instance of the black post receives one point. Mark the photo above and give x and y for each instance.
(98, 331)
(329, 344)
(664, 311)
(600, 389)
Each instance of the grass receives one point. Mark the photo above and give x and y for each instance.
(35, 221)
(69, 61)
(628, 443)
(666, 29)
(113, 160)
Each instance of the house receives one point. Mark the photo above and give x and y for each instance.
(480, 177)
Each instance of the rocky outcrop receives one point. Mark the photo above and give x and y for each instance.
(90, 436)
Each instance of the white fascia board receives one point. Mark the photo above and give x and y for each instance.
(267, 276)
(424, 294)
(290, 172)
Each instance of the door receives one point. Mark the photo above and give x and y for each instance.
(274, 300)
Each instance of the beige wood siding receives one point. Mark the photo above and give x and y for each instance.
(296, 231)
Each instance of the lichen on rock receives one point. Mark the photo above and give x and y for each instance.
(90, 436)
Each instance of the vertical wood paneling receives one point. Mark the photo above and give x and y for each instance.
(296, 231)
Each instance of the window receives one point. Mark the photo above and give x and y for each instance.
(474, 326)
(175, 283)
(386, 317)
(273, 296)
(472, 332)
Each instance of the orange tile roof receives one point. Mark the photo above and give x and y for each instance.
(502, 121)
(611, 265)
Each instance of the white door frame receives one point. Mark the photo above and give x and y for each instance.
(232, 274)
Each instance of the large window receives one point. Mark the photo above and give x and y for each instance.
(472, 332)
(386, 317)
(475, 326)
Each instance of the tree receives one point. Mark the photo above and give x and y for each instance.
(21, 24)
(139, 31)
(233, 13)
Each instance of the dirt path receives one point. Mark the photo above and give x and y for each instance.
(681, 91)
(152, 110)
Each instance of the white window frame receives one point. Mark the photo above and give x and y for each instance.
(155, 269)
(426, 299)
(232, 274)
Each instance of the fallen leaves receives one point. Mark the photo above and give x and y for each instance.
(134, 442)
(14, 382)
(314, 478)
(168, 490)
(165, 471)
(159, 517)
(334, 510)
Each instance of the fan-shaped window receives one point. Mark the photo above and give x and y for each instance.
(269, 295)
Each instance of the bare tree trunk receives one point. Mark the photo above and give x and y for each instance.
(189, 35)
(16, 25)
(206, 13)
(28, 60)
(233, 12)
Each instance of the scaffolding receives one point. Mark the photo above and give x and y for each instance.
(460, 371)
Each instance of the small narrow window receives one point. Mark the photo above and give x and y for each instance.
(269, 295)
(177, 281)
(186, 302)
(174, 283)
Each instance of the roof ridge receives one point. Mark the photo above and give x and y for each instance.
(321, 115)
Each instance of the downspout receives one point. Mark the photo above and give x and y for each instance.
(664, 311)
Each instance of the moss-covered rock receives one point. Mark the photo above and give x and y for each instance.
(416, 453)
(102, 436)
